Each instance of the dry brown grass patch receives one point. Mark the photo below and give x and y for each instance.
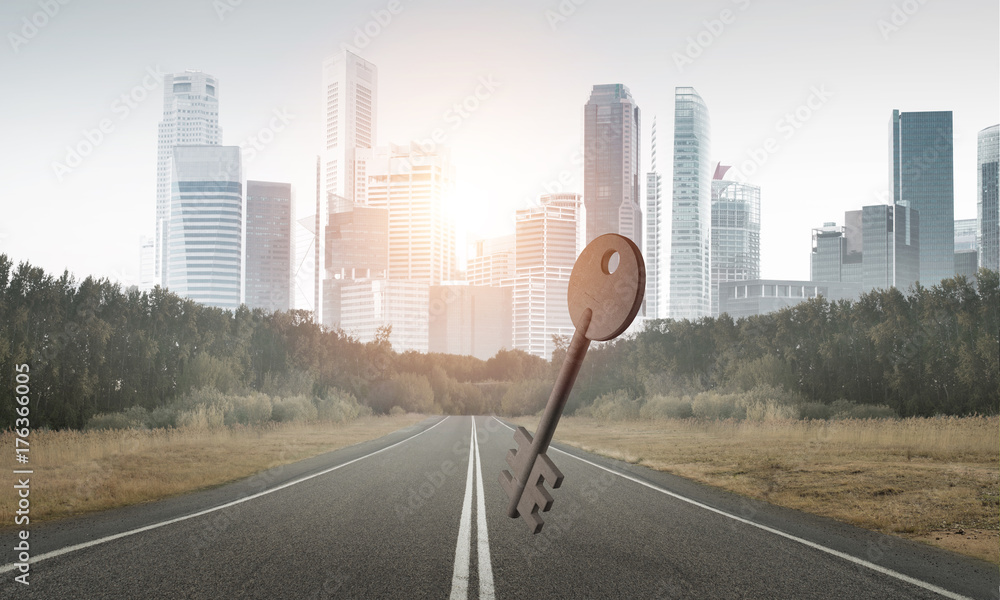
(78, 472)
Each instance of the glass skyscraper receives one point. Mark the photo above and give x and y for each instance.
(270, 250)
(654, 243)
(988, 202)
(611, 163)
(891, 247)
(204, 232)
(922, 177)
(735, 233)
(190, 117)
(690, 294)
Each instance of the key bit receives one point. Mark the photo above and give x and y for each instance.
(603, 299)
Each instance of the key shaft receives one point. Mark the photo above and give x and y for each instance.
(575, 354)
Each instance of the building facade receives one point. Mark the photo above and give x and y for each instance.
(988, 200)
(492, 261)
(357, 247)
(546, 251)
(653, 301)
(368, 305)
(205, 228)
(890, 247)
(922, 177)
(350, 97)
(735, 232)
(412, 185)
(758, 297)
(966, 247)
(471, 320)
(270, 245)
(190, 118)
(690, 294)
(611, 189)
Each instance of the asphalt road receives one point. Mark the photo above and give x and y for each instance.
(420, 514)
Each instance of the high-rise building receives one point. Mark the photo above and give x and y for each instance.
(988, 201)
(413, 185)
(611, 189)
(350, 95)
(471, 320)
(367, 305)
(270, 245)
(891, 247)
(827, 254)
(205, 228)
(357, 247)
(190, 117)
(690, 295)
(852, 267)
(735, 232)
(922, 177)
(966, 250)
(492, 261)
(654, 242)
(147, 263)
(546, 250)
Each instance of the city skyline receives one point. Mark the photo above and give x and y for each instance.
(497, 111)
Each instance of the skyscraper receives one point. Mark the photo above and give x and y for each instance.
(190, 117)
(204, 245)
(735, 232)
(350, 95)
(966, 247)
(270, 249)
(922, 177)
(988, 201)
(611, 163)
(826, 257)
(654, 222)
(545, 253)
(357, 248)
(690, 295)
(891, 247)
(413, 185)
(147, 263)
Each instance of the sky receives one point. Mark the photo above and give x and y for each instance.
(800, 96)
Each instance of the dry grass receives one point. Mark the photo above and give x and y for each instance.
(78, 472)
(935, 480)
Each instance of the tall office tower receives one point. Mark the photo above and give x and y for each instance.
(611, 163)
(367, 305)
(922, 177)
(204, 232)
(413, 185)
(654, 223)
(147, 263)
(735, 232)
(826, 257)
(357, 248)
(545, 252)
(190, 117)
(350, 94)
(851, 267)
(270, 245)
(469, 319)
(690, 295)
(891, 246)
(492, 261)
(966, 251)
(988, 202)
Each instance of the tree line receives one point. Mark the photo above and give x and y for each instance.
(96, 348)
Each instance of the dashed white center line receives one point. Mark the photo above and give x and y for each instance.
(463, 548)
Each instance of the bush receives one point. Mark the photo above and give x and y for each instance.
(667, 407)
(135, 417)
(615, 406)
(298, 409)
(340, 407)
(525, 397)
(845, 409)
(713, 406)
(815, 411)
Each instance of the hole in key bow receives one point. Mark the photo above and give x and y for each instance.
(609, 263)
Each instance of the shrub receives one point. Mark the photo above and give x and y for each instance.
(295, 409)
(525, 397)
(135, 417)
(667, 407)
(614, 406)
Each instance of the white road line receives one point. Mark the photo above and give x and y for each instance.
(37, 559)
(858, 561)
(460, 576)
(483, 550)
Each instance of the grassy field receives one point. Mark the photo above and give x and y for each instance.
(78, 472)
(933, 480)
